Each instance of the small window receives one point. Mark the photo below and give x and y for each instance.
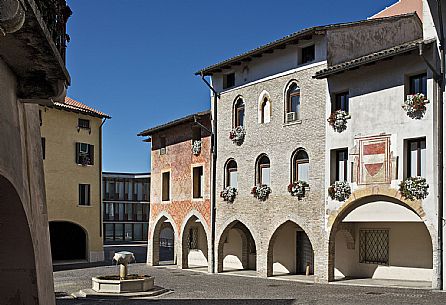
(374, 247)
(84, 194)
(263, 171)
(293, 104)
(341, 164)
(198, 182)
(82, 123)
(163, 149)
(193, 238)
(308, 54)
(228, 80)
(301, 164)
(166, 186)
(43, 148)
(231, 174)
(239, 113)
(416, 157)
(340, 102)
(196, 133)
(418, 84)
(265, 111)
(84, 154)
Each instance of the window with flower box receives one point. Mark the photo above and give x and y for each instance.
(239, 113)
(263, 170)
(292, 106)
(418, 84)
(416, 158)
(231, 174)
(84, 154)
(340, 102)
(300, 166)
(341, 164)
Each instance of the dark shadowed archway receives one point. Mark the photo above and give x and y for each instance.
(17, 262)
(68, 241)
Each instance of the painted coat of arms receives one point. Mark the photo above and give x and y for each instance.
(374, 160)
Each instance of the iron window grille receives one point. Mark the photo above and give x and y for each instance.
(374, 246)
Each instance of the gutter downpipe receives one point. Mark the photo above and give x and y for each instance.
(213, 169)
(100, 178)
(440, 145)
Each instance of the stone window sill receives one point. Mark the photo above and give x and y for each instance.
(293, 123)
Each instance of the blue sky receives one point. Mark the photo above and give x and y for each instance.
(135, 59)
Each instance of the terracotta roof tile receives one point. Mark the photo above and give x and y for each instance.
(76, 106)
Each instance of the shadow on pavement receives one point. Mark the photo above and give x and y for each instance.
(180, 302)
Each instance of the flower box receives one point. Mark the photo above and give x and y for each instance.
(415, 105)
(237, 135)
(229, 194)
(298, 189)
(261, 192)
(414, 188)
(338, 120)
(196, 147)
(340, 191)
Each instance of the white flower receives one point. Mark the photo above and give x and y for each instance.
(297, 189)
(237, 135)
(415, 105)
(229, 194)
(338, 120)
(196, 147)
(261, 192)
(340, 191)
(414, 188)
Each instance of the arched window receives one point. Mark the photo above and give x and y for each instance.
(263, 170)
(265, 111)
(239, 113)
(292, 106)
(300, 166)
(231, 174)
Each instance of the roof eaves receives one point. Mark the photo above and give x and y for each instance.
(371, 58)
(289, 39)
(164, 126)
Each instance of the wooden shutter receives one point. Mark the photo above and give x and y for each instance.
(78, 148)
(91, 153)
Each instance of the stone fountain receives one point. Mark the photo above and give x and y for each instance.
(124, 282)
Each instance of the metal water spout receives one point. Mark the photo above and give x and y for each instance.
(123, 258)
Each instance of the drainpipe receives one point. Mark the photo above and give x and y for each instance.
(440, 144)
(100, 177)
(214, 168)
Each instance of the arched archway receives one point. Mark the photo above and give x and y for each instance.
(194, 241)
(17, 261)
(236, 248)
(68, 241)
(380, 236)
(164, 241)
(290, 251)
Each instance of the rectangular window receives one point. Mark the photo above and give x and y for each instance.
(163, 149)
(166, 186)
(109, 231)
(228, 80)
(308, 54)
(265, 172)
(43, 148)
(418, 84)
(84, 194)
(193, 239)
(83, 123)
(198, 177)
(341, 164)
(374, 247)
(416, 157)
(84, 154)
(137, 231)
(340, 102)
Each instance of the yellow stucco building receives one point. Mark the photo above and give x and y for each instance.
(72, 156)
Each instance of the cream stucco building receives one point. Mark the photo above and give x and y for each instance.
(72, 152)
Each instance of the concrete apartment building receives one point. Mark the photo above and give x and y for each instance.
(180, 226)
(32, 72)
(125, 206)
(72, 156)
(272, 94)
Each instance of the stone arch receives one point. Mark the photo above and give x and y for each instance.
(161, 219)
(261, 115)
(17, 265)
(249, 243)
(273, 236)
(203, 246)
(363, 197)
(73, 249)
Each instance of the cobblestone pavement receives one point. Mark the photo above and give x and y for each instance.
(189, 287)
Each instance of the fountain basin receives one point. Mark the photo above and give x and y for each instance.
(112, 284)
